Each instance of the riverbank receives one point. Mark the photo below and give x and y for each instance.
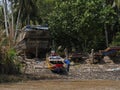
(77, 72)
(11, 78)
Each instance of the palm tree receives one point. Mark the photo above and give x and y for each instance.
(25, 12)
(28, 10)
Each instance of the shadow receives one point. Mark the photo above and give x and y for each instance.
(116, 59)
(101, 61)
(60, 71)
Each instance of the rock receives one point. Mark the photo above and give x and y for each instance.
(107, 59)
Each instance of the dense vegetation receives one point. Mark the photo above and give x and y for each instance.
(79, 24)
(8, 58)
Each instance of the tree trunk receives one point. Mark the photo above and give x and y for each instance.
(106, 34)
(5, 16)
(12, 20)
(11, 27)
(16, 30)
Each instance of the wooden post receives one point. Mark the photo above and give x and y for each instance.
(92, 56)
(66, 53)
(106, 34)
(36, 49)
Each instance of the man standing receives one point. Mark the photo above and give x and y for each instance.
(67, 62)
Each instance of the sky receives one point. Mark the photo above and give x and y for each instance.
(0, 2)
(8, 5)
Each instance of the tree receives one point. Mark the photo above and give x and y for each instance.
(28, 11)
(115, 27)
(5, 16)
(1, 18)
(80, 23)
(45, 7)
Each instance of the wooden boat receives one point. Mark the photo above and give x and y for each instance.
(55, 63)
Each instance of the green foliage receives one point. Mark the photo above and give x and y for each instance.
(8, 59)
(8, 62)
(29, 12)
(45, 7)
(11, 54)
(73, 23)
(116, 40)
(32, 11)
(80, 23)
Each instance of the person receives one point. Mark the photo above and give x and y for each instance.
(67, 62)
(53, 53)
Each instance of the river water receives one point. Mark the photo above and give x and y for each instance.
(63, 85)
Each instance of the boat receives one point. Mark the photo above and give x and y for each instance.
(55, 63)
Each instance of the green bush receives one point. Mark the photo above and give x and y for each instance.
(8, 58)
(9, 63)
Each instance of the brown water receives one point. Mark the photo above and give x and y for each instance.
(63, 85)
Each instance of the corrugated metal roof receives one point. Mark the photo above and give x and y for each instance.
(35, 27)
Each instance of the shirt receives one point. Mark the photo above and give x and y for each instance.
(67, 61)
